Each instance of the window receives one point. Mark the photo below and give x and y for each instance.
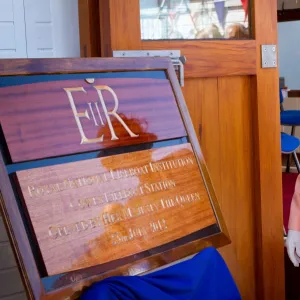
(194, 19)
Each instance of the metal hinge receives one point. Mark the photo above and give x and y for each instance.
(268, 56)
(175, 55)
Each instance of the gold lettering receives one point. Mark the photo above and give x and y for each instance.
(93, 222)
(159, 225)
(77, 115)
(63, 231)
(99, 115)
(116, 237)
(84, 225)
(110, 218)
(53, 232)
(30, 190)
(92, 112)
(106, 218)
(169, 203)
(157, 186)
(170, 164)
(113, 112)
(77, 226)
(129, 212)
(141, 210)
(130, 234)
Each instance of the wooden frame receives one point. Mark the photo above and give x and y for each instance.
(9, 207)
(89, 31)
(233, 57)
(270, 267)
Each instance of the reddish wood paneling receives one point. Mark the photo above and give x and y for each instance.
(78, 65)
(39, 121)
(89, 28)
(118, 18)
(221, 112)
(237, 197)
(212, 58)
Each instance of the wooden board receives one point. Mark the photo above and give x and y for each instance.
(231, 173)
(46, 119)
(96, 211)
(69, 238)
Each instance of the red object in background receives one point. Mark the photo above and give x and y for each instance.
(245, 6)
(288, 187)
(292, 274)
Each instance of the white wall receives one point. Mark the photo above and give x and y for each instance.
(289, 53)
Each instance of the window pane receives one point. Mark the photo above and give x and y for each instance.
(194, 19)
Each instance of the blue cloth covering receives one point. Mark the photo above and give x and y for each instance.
(204, 277)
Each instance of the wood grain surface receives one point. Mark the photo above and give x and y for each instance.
(95, 211)
(268, 171)
(79, 65)
(212, 58)
(216, 108)
(112, 27)
(237, 198)
(69, 285)
(39, 121)
(225, 127)
(205, 58)
(89, 29)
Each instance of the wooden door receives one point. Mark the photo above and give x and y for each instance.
(12, 29)
(51, 28)
(234, 105)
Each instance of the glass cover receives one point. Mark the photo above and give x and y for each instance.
(194, 19)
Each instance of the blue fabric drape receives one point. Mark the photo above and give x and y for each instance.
(204, 277)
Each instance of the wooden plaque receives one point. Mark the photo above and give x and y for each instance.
(101, 172)
(77, 116)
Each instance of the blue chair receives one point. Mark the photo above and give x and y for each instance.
(288, 118)
(289, 145)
